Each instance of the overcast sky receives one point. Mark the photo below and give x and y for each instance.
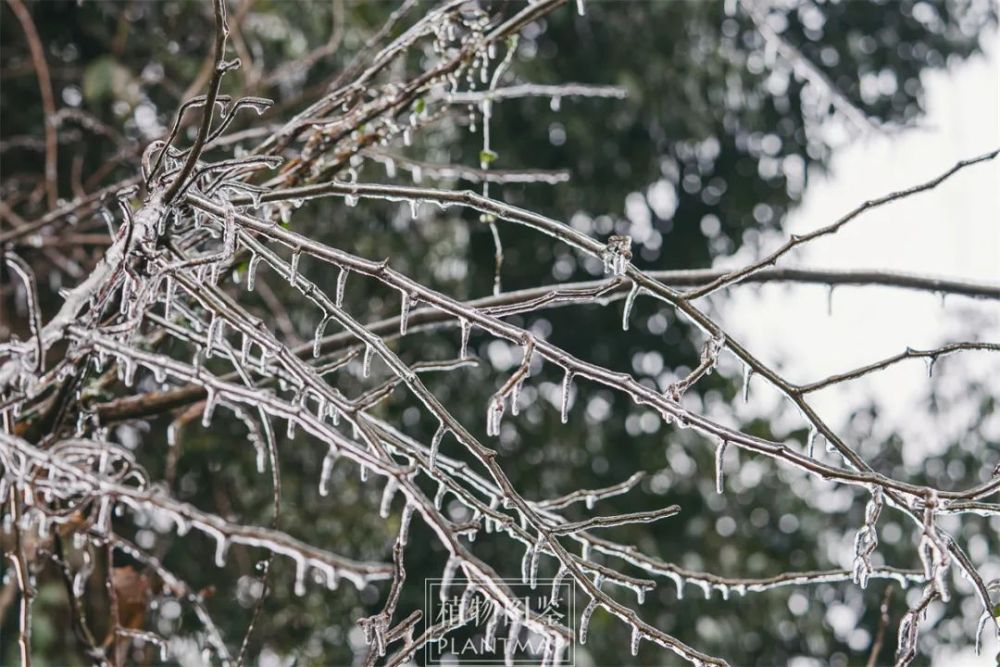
(951, 231)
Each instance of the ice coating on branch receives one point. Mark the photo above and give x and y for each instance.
(617, 254)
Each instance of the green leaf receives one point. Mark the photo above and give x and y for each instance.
(487, 156)
(420, 105)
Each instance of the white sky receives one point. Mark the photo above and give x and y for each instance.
(951, 231)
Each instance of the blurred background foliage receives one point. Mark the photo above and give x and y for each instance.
(713, 145)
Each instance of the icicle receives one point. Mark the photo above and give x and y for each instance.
(558, 650)
(387, 495)
(261, 449)
(508, 651)
(494, 412)
(930, 366)
(300, 576)
(252, 271)
(318, 337)
(341, 282)
(404, 313)
(439, 496)
(579, 10)
(747, 375)
(245, 348)
(128, 371)
(404, 523)
(293, 271)
(629, 302)
(979, 630)
(811, 440)
(720, 452)
(636, 638)
(679, 583)
(366, 362)
(326, 472)
(221, 545)
(79, 540)
(169, 299)
(463, 604)
(617, 255)
(79, 584)
(536, 551)
(567, 380)
(866, 540)
(211, 335)
(526, 562)
(466, 330)
(448, 576)
(206, 415)
(560, 575)
(515, 393)
(436, 444)
(829, 301)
